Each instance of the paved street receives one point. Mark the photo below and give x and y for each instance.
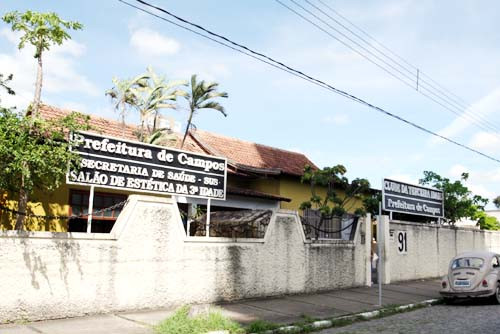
(283, 310)
(470, 317)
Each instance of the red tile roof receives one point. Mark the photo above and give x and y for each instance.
(242, 155)
(98, 124)
(260, 158)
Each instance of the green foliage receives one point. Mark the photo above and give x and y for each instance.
(340, 193)
(147, 94)
(200, 97)
(4, 83)
(371, 203)
(496, 201)
(157, 94)
(40, 29)
(459, 201)
(182, 323)
(34, 152)
(123, 94)
(486, 222)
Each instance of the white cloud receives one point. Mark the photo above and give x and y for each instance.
(486, 141)
(407, 178)
(487, 105)
(151, 43)
(483, 183)
(204, 68)
(59, 70)
(11, 36)
(337, 119)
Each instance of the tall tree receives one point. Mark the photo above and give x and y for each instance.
(158, 93)
(459, 201)
(41, 30)
(124, 95)
(200, 97)
(147, 94)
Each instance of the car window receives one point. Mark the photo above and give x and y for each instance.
(467, 262)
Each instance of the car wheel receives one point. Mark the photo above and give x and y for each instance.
(497, 293)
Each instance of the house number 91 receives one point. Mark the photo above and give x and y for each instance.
(402, 242)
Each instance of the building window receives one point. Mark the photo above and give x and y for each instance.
(102, 222)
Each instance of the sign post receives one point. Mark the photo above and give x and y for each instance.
(91, 209)
(379, 251)
(207, 233)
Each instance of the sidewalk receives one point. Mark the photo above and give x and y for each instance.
(282, 310)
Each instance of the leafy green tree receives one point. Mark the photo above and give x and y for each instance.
(496, 201)
(459, 201)
(34, 154)
(486, 222)
(341, 195)
(201, 96)
(41, 30)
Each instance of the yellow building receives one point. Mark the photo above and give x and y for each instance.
(258, 177)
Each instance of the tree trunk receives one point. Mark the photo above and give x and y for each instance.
(21, 207)
(187, 127)
(38, 87)
(155, 120)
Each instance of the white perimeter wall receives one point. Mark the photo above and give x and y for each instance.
(430, 248)
(147, 262)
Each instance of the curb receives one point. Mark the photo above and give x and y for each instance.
(323, 324)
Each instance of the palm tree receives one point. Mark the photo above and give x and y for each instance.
(162, 136)
(147, 94)
(200, 97)
(125, 95)
(157, 94)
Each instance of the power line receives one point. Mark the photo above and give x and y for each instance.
(388, 50)
(453, 99)
(443, 101)
(280, 65)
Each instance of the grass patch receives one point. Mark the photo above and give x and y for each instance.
(182, 323)
(261, 326)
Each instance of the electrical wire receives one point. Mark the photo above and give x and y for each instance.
(443, 102)
(458, 98)
(280, 65)
(454, 101)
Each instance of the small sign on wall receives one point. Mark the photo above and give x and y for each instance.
(402, 242)
(391, 235)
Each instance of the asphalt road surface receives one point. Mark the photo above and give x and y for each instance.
(466, 317)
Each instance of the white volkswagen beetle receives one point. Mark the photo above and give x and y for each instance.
(472, 274)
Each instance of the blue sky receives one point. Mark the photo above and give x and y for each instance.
(454, 42)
